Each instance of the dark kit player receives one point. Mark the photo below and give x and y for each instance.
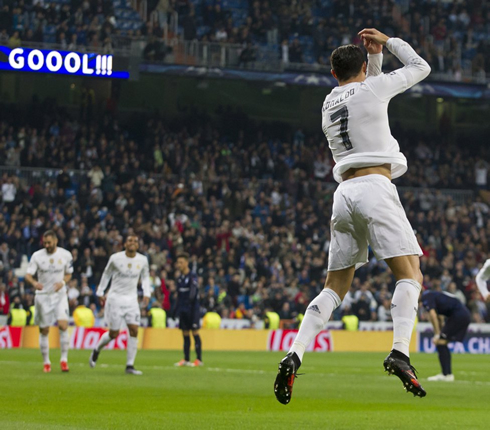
(188, 310)
(439, 305)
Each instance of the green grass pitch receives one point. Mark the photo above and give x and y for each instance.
(234, 391)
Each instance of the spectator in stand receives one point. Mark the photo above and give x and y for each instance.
(295, 52)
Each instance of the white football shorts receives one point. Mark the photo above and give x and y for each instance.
(122, 310)
(49, 308)
(367, 211)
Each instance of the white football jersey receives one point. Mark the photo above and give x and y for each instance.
(355, 116)
(125, 273)
(50, 268)
(481, 279)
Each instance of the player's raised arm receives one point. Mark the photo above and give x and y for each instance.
(415, 67)
(31, 271)
(481, 280)
(106, 277)
(375, 57)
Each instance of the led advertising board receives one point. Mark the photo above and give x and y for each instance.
(60, 63)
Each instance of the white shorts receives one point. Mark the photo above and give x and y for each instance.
(118, 311)
(367, 210)
(49, 308)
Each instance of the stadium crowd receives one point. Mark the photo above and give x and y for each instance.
(451, 36)
(252, 211)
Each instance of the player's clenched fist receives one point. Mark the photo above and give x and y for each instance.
(371, 34)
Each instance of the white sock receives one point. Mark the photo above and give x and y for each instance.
(404, 307)
(44, 347)
(103, 341)
(132, 350)
(316, 316)
(64, 344)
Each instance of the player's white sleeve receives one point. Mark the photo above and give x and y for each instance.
(69, 264)
(481, 279)
(32, 266)
(415, 69)
(106, 277)
(145, 280)
(374, 65)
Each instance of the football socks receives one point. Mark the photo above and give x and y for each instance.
(316, 316)
(404, 311)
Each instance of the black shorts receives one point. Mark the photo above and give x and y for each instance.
(189, 320)
(456, 325)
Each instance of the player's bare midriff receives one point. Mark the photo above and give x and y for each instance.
(356, 172)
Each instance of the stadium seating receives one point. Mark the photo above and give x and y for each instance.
(453, 38)
(253, 215)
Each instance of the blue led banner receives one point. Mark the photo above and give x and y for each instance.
(60, 63)
(429, 88)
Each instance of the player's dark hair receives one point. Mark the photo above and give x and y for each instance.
(49, 233)
(183, 255)
(131, 235)
(347, 61)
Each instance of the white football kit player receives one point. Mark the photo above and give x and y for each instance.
(122, 300)
(481, 279)
(50, 306)
(367, 209)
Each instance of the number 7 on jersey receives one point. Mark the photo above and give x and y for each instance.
(343, 114)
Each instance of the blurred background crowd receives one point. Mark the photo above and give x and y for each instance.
(452, 36)
(251, 204)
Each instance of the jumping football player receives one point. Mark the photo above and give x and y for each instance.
(124, 270)
(53, 267)
(366, 208)
(439, 305)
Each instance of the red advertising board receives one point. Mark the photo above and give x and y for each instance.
(281, 340)
(10, 337)
(87, 338)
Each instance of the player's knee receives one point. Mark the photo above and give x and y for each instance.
(44, 330)
(195, 332)
(113, 334)
(133, 332)
(185, 332)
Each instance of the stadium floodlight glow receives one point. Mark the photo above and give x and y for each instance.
(60, 62)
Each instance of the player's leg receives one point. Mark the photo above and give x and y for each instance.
(444, 356)
(185, 324)
(454, 330)
(187, 345)
(43, 318)
(198, 347)
(392, 239)
(62, 314)
(44, 347)
(114, 320)
(64, 344)
(404, 304)
(316, 316)
(320, 310)
(132, 349)
(348, 247)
